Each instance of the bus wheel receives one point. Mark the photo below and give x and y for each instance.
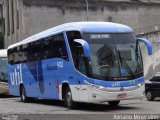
(149, 96)
(23, 94)
(68, 99)
(113, 103)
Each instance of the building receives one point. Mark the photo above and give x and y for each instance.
(1, 26)
(24, 18)
(1, 17)
(11, 14)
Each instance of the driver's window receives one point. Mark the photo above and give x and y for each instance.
(71, 35)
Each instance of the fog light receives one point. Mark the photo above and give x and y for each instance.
(94, 95)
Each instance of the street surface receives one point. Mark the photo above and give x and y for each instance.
(10, 104)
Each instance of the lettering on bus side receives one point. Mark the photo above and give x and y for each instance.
(60, 64)
(16, 76)
(54, 67)
(51, 67)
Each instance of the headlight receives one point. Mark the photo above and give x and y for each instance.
(93, 86)
(98, 87)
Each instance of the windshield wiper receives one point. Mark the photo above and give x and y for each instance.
(137, 58)
(124, 63)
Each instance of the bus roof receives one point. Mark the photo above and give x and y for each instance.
(88, 27)
(3, 52)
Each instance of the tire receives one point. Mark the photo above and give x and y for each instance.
(113, 103)
(23, 96)
(68, 99)
(149, 95)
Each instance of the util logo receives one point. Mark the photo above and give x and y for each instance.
(16, 76)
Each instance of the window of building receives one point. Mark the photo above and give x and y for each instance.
(12, 9)
(8, 17)
(17, 19)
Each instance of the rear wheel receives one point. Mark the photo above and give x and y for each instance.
(113, 103)
(149, 95)
(68, 99)
(23, 96)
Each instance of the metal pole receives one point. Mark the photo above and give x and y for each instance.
(87, 8)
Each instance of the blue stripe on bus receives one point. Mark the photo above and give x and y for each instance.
(40, 77)
(125, 83)
(32, 67)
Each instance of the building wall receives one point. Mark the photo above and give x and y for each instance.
(34, 16)
(1, 16)
(12, 15)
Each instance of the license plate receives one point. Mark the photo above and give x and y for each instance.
(122, 95)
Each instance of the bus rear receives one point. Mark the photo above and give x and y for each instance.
(3, 72)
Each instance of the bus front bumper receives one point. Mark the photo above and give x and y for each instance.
(100, 96)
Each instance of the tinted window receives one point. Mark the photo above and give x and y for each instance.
(72, 35)
(109, 38)
(50, 47)
(59, 47)
(156, 78)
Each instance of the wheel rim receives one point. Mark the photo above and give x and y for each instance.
(69, 98)
(149, 95)
(23, 96)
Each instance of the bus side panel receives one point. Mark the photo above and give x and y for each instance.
(30, 79)
(55, 71)
(47, 69)
(14, 78)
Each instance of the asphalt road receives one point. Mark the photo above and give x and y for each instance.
(42, 109)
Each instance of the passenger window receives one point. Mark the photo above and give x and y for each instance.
(60, 47)
(46, 48)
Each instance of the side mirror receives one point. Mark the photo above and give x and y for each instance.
(85, 46)
(147, 43)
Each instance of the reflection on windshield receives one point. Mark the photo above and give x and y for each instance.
(117, 58)
(107, 61)
(3, 69)
(130, 60)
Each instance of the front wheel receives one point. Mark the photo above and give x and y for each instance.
(113, 103)
(68, 99)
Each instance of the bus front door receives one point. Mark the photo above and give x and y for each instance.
(83, 89)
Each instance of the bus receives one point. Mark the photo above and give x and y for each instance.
(3, 72)
(92, 62)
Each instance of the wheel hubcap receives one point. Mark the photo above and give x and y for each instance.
(69, 97)
(149, 95)
(23, 97)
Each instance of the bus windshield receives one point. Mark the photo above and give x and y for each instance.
(3, 69)
(114, 56)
